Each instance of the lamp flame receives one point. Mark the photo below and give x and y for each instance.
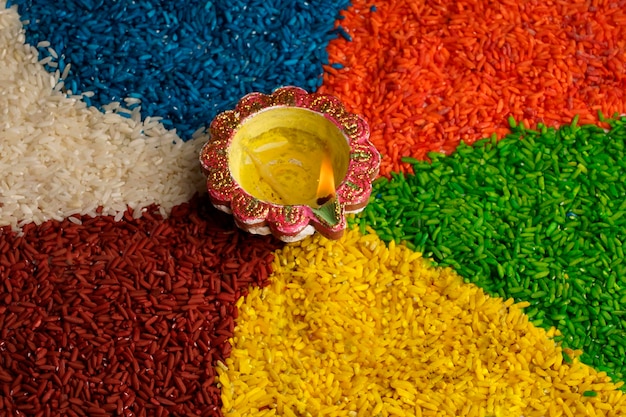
(326, 186)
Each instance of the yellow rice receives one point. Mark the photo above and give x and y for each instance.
(355, 328)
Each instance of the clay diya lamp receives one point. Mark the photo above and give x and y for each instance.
(289, 163)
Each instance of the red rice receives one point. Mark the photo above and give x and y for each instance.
(122, 318)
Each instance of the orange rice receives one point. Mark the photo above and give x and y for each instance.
(428, 75)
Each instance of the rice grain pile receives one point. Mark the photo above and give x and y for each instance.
(108, 307)
(356, 328)
(122, 318)
(184, 62)
(539, 216)
(59, 157)
(427, 75)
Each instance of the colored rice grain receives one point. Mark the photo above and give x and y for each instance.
(59, 157)
(539, 216)
(183, 62)
(356, 328)
(124, 318)
(427, 75)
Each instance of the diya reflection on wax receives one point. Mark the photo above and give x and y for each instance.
(289, 163)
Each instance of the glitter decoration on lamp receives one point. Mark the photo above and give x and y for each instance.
(289, 163)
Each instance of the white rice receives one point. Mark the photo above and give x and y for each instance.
(58, 157)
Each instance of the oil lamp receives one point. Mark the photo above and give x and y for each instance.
(289, 163)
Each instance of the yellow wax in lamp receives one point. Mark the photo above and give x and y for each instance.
(284, 166)
(280, 155)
